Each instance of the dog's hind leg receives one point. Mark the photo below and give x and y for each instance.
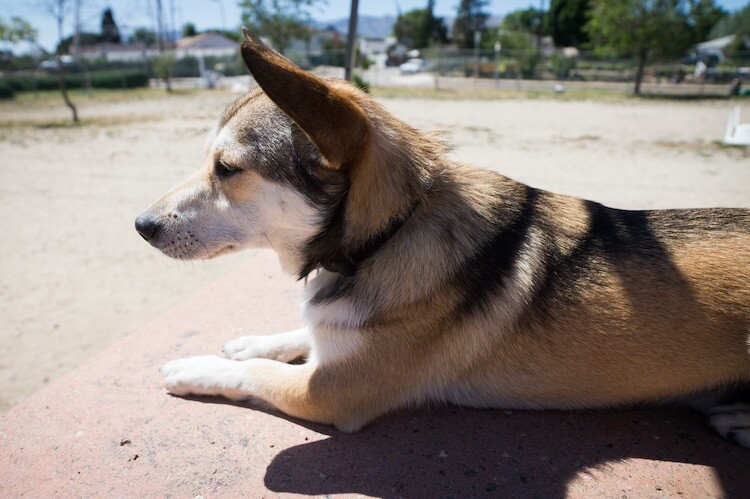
(732, 422)
(284, 347)
(728, 413)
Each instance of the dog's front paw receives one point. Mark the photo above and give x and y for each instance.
(204, 375)
(732, 422)
(245, 347)
(284, 347)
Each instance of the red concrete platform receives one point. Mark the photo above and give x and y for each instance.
(109, 430)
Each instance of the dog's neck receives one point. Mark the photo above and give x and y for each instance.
(327, 249)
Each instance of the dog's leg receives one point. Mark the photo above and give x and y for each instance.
(728, 412)
(284, 347)
(304, 390)
(731, 422)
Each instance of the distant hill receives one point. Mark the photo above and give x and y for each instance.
(380, 27)
(369, 26)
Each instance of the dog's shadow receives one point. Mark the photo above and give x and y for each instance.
(456, 452)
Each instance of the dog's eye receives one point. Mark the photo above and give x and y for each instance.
(224, 170)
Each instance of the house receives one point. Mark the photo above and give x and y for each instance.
(320, 40)
(715, 45)
(206, 45)
(118, 52)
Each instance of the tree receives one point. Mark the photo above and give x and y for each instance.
(419, 28)
(525, 21)
(279, 20)
(470, 18)
(434, 29)
(702, 17)
(110, 31)
(16, 30)
(144, 36)
(736, 23)
(84, 39)
(642, 29)
(188, 29)
(567, 19)
(58, 10)
(12, 32)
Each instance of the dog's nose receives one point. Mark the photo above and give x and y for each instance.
(146, 226)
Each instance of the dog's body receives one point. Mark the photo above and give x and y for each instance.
(433, 281)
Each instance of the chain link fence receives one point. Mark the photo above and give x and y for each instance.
(445, 67)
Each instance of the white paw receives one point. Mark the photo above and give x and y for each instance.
(204, 375)
(279, 347)
(244, 347)
(732, 422)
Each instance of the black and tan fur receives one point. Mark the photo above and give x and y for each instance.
(434, 281)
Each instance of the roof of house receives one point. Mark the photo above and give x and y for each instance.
(715, 44)
(205, 41)
(109, 48)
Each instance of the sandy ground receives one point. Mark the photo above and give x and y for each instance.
(75, 277)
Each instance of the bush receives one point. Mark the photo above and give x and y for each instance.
(6, 90)
(360, 83)
(164, 64)
(119, 79)
(98, 79)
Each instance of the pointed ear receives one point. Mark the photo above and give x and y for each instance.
(328, 115)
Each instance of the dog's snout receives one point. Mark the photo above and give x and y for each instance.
(146, 226)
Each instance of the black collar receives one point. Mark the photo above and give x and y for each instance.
(325, 250)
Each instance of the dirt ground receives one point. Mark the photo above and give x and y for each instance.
(75, 276)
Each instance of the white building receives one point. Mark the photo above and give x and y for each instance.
(206, 45)
(117, 52)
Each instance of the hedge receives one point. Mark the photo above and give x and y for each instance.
(6, 91)
(98, 79)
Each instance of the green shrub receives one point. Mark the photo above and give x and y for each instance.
(6, 90)
(360, 83)
(164, 64)
(99, 79)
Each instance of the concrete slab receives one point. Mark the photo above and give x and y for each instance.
(108, 429)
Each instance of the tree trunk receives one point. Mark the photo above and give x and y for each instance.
(59, 13)
(639, 73)
(64, 89)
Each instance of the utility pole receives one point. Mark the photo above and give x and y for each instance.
(540, 26)
(351, 37)
(173, 26)
(220, 4)
(159, 26)
(164, 59)
(477, 41)
(77, 21)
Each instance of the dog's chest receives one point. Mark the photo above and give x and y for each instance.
(332, 344)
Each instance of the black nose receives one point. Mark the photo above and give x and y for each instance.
(146, 226)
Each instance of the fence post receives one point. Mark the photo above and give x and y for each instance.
(477, 39)
(498, 48)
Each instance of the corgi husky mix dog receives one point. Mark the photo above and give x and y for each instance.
(429, 280)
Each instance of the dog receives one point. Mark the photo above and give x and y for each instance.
(428, 280)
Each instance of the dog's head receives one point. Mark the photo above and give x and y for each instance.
(292, 166)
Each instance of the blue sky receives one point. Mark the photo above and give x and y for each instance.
(204, 14)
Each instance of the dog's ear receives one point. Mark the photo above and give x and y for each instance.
(329, 116)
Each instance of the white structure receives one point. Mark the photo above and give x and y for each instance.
(117, 52)
(206, 45)
(320, 40)
(736, 134)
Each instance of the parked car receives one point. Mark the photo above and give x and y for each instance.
(412, 66)
(52, 64)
